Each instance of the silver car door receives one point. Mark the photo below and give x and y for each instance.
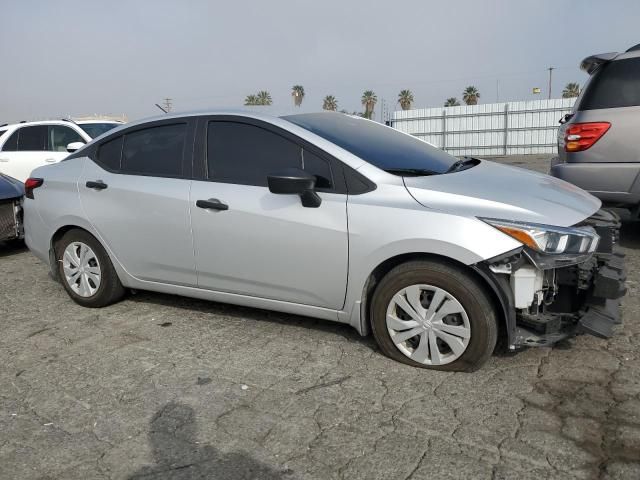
(250, 241)
(135, 193)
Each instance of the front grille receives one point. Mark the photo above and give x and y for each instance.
(8, 228)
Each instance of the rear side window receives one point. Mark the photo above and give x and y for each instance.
(11, 145)
(246, 154)
(154, 151)
(27, 139)
(615, 84)
(109, 153)
(60, 136)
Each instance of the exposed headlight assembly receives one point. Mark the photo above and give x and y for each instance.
(549, 246)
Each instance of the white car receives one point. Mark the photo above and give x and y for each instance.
(29, 145)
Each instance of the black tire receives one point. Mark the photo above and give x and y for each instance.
(459, 283)
(110, 289)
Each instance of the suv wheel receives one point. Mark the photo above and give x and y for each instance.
(86, 271)
(434, 315)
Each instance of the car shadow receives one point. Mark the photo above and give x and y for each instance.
(630, 234)
(177, 454)
(240, 312)
(13, 247)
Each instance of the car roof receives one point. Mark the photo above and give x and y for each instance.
(88, 122)
(591, 63)
(38, 122)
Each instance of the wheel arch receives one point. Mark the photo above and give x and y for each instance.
(482, 275)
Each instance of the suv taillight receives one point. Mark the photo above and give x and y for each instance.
(580, 136)
(30, 185)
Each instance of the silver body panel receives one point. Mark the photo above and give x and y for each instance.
(268, 251)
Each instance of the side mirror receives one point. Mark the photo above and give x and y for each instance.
(73, 146)
(295, 181)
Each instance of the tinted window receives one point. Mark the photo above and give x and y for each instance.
(319, 167)
(96, 129)
(109, 153)
(33, 139)
(615, 84)
(154, 151)
(11, 145)
(61, 136)
(246, 154)
(381, 146)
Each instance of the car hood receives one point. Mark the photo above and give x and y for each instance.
(10, 187)
(499, 191)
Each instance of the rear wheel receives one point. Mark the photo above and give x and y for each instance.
(86, 270)
(434, 315)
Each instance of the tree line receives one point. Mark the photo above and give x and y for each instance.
(369, 99)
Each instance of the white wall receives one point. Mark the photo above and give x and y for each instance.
(489, 129)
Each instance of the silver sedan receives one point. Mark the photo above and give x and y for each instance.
(332, 217)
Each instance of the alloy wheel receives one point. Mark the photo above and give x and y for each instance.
(428, 324)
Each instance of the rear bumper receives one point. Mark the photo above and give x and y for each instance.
(612, 182)
(588, 295)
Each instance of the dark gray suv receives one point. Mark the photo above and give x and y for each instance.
(599, 142)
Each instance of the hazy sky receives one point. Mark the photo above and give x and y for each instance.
(75, 57)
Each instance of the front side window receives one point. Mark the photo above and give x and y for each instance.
(613, 85)
(246, 154)
(154, 151)
(60, 136)
(110, 152)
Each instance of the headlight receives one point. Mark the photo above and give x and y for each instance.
(550, 246)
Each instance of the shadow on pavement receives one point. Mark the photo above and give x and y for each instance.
(177, 455)
(13, 247)
(630, 234)
(240, 312)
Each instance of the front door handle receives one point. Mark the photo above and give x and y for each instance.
(212, 204)
(4, 159)
(51, 160)
(97, 185)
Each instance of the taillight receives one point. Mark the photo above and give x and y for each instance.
(580, 136)
(30, 185)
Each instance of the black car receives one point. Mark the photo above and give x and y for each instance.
(11, 192)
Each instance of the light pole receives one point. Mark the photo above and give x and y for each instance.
(550, 73)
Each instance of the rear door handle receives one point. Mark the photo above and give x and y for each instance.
(4, 159)
(51, 160)
(97, 185)
(212, 204)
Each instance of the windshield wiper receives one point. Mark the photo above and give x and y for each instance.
(411, 172)
(463, 164)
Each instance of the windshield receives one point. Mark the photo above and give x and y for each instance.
(96, 129)
(384, 147)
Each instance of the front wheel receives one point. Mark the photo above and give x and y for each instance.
(86, 270)
(434, 315)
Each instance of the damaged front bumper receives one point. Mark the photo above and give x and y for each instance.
(567, 301)
(11, 219)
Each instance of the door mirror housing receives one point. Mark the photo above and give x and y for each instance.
(295, 181)
(73, 146)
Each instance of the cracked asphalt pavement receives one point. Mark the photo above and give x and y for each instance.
(167, 387)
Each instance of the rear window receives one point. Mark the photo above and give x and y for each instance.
(96, 129)
(616, 84)
(384, 147)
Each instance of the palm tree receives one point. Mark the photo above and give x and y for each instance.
(330, 103)
(405, 97)
(571, 90)
(264, 98)
(369, 100)
(470, 95)
(452, 102)
(297, 92)
(251, 100)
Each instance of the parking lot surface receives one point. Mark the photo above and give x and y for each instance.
(166, 387)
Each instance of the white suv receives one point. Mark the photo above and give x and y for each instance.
(28, 145)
